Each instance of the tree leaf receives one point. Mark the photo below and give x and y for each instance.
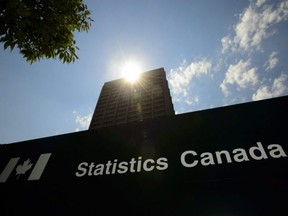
(6, 45)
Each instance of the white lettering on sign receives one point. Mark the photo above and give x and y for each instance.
(191, 158)
(115, 167)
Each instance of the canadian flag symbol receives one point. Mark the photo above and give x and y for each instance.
(23, 168)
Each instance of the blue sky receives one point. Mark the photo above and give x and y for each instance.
(215, 53)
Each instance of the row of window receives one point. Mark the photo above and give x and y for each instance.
(123, 104)
(109, 120)
(107, 96)
(132, 111)
(158, 101)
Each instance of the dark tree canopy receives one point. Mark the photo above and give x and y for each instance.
(43, 28)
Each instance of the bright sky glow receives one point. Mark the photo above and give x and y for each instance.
(131, 71)
(215, 53)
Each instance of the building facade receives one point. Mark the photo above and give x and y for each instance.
(122, 102)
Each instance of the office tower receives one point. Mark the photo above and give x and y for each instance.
(122, 102)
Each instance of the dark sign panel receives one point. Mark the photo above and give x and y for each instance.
(223, 161)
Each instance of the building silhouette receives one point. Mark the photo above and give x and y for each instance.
(122, 102)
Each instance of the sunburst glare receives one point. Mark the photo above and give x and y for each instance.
(131, 71)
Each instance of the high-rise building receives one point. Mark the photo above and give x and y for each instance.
(122, 102)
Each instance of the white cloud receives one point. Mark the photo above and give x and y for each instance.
(82, 120)
(277, 89)
(241, 74)
(191, 100)
(180, 79)
(254, 25)
(259, 3)
(271, 62)
(226, 43)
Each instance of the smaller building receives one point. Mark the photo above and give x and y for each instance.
(122, 102)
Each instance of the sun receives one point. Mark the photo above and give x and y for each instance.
(131, 71)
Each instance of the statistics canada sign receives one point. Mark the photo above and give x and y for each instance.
(224, 161)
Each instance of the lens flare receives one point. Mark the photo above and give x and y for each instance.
(131, 71)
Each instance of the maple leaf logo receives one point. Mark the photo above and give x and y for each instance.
(22, 169)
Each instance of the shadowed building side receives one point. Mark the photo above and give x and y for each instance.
(122, 102)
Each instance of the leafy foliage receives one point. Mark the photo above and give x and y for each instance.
(43, 28)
